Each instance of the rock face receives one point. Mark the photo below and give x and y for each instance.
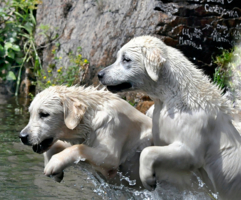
(100, 27)
(144, 104)
(199, 28)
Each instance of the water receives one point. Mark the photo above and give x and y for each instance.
(21, 170)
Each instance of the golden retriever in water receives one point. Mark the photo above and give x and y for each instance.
(100, 128)
(192, 128)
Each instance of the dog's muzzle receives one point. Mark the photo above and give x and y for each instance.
(119, 88)
(101, 75)
(24, 137)
(43, 146)
(113, 87)
(38, 148)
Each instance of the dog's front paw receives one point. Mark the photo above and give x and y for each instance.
(147, 173)
(149, 182)
(55, 168)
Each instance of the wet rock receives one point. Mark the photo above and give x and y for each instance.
(144, 106)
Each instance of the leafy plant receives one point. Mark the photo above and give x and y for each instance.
(45, 31)
(64, 75)
(223, 72)
(132, 103)
(228, 73)
(17, 46)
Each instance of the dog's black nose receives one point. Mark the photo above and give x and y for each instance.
(101, 75)
(24, 138)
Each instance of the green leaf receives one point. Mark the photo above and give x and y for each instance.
(18, 14)
(19, 54)
(11, 54)
(32, 18)
(57, 44)
(8, 45)
(37, 64)
(11, 76)
(7, 65)
(44, 27)
(19, 61)
(28, 27)
(1, 48)
(11, 39)
(2, 51)
(25, 35)
(15, 47)
(56, 36)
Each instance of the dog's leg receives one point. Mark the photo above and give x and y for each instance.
(175, 156)
(55, 148)
(100, 158)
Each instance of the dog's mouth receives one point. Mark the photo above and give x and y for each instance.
(120, 87)
(43, 146)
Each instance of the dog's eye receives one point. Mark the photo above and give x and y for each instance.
(126, 60)
(43, 115)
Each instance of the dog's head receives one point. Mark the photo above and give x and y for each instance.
(138, 63)
(52, 117)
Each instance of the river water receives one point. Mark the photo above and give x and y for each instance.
(21, 170)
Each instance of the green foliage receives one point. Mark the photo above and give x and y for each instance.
(228, 73)
(17, 46)
(77, 59)
(45, 31)
(223, 72)
(132, 103)
(18, 49)
(68, 76)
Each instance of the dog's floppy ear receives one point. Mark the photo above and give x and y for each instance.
(152, 61)
(73, 112)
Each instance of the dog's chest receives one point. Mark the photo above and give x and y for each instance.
(162, 128)
(169, 127)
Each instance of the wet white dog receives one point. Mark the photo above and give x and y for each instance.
(192, 128)
(101, 129)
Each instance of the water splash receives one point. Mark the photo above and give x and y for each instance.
(122, 177)
(201, 184)
(164, 191)
(108, 191)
